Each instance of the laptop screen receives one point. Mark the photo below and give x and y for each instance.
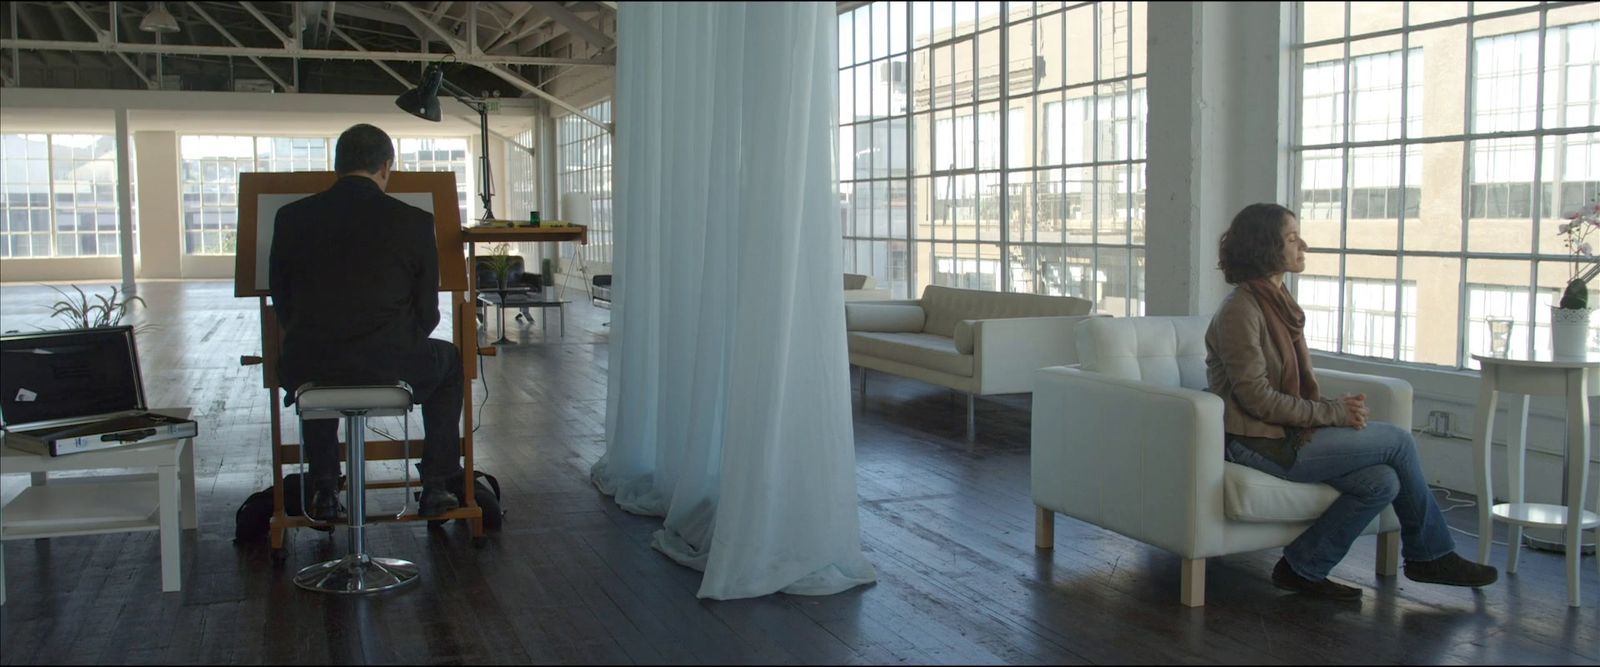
(67, 374)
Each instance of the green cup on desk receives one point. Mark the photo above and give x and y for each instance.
(533, 218)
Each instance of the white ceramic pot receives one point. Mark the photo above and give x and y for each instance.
(1569, 331)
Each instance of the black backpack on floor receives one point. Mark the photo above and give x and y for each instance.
(254, 519)
(486, 491)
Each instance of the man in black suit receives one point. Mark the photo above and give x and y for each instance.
(354, 275)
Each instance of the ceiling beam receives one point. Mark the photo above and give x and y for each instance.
(268, 23)
(104, 38)
(314, 54)
(229, 36)
(576, 24)
(341, 35)
(500, 70)
(528, 29)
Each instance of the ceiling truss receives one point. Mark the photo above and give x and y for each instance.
(512, 42)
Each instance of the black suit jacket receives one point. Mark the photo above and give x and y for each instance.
(354, 276)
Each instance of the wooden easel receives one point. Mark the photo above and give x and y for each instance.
(254, 248)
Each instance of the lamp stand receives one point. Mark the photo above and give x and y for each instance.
(484, 189)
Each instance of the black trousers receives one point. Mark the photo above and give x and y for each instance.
(436, 384)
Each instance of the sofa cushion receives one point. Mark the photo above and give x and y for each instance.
(963, 337)
(887, 317)
(935, 353)
(1168, 350)
(1251, 495)
(946, 306)
(857, 281)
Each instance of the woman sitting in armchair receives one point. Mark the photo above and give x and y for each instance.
(1277, 422)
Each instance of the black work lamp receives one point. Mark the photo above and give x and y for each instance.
(423, 102)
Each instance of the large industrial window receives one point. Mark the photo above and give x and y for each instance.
(1438, 145)
(212, 164)
(995, 145)
(58, 195)
(442, 154)
(583, 154)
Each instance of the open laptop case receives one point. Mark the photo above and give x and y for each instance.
(66, 392)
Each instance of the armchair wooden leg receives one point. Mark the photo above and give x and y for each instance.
(1193, 582)
(1044, 528)
(1389, 553)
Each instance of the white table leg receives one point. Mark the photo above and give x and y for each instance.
(1516, 458)
(1483, 435)
(1577, 474)
(191, 520)
(167, 490)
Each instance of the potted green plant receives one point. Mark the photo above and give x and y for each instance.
(1569, 319)
(81, 313)
(500, 262)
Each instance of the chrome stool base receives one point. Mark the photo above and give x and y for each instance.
(356, 573)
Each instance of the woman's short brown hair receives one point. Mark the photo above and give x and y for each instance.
(1253, 245)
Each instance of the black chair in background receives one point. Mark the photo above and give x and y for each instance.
(600, 292)
(517, 279)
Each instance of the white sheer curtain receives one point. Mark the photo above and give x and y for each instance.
(728, 408)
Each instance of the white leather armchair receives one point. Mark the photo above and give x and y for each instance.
(1131, 441)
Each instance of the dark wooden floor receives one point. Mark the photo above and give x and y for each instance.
(572, 578)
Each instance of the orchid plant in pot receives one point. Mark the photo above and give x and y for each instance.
(1569, 320)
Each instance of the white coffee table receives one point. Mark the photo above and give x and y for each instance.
(92, 505)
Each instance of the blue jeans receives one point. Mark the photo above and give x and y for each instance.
(1371, 468)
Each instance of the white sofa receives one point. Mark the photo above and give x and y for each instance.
(1132, 441)
(973, 341)
(861, 287)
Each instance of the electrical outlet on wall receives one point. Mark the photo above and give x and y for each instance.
(1438, 423)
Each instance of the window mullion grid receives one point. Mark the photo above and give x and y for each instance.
(1004, 196)
(1094, 160)
(1405, 134)
(1466, 194)
(53, 250)
(911, 157)
(1297, 22)
(1344, 191)
(1128, 174)
(1536, 189)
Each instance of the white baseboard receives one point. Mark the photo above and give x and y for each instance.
(1448, 463)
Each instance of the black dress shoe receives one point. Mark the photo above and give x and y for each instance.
(1451, 570)
(1286, 578)
(325, 505)
(435, 501)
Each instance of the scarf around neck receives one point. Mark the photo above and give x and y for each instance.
(1286, 324)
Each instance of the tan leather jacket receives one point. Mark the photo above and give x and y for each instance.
(1244, 368)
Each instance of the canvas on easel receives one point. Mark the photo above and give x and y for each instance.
(262, 194)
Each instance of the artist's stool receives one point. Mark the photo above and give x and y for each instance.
(356, 572)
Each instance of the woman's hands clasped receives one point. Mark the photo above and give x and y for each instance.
(1355, 406)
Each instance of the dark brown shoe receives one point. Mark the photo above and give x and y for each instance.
(435, 501)
(1286, 578)
(1451, 570)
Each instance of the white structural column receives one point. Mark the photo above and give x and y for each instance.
(130, 268)
(1218, 138)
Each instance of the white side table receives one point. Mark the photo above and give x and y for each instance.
(106, 504)
(1577, 379)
